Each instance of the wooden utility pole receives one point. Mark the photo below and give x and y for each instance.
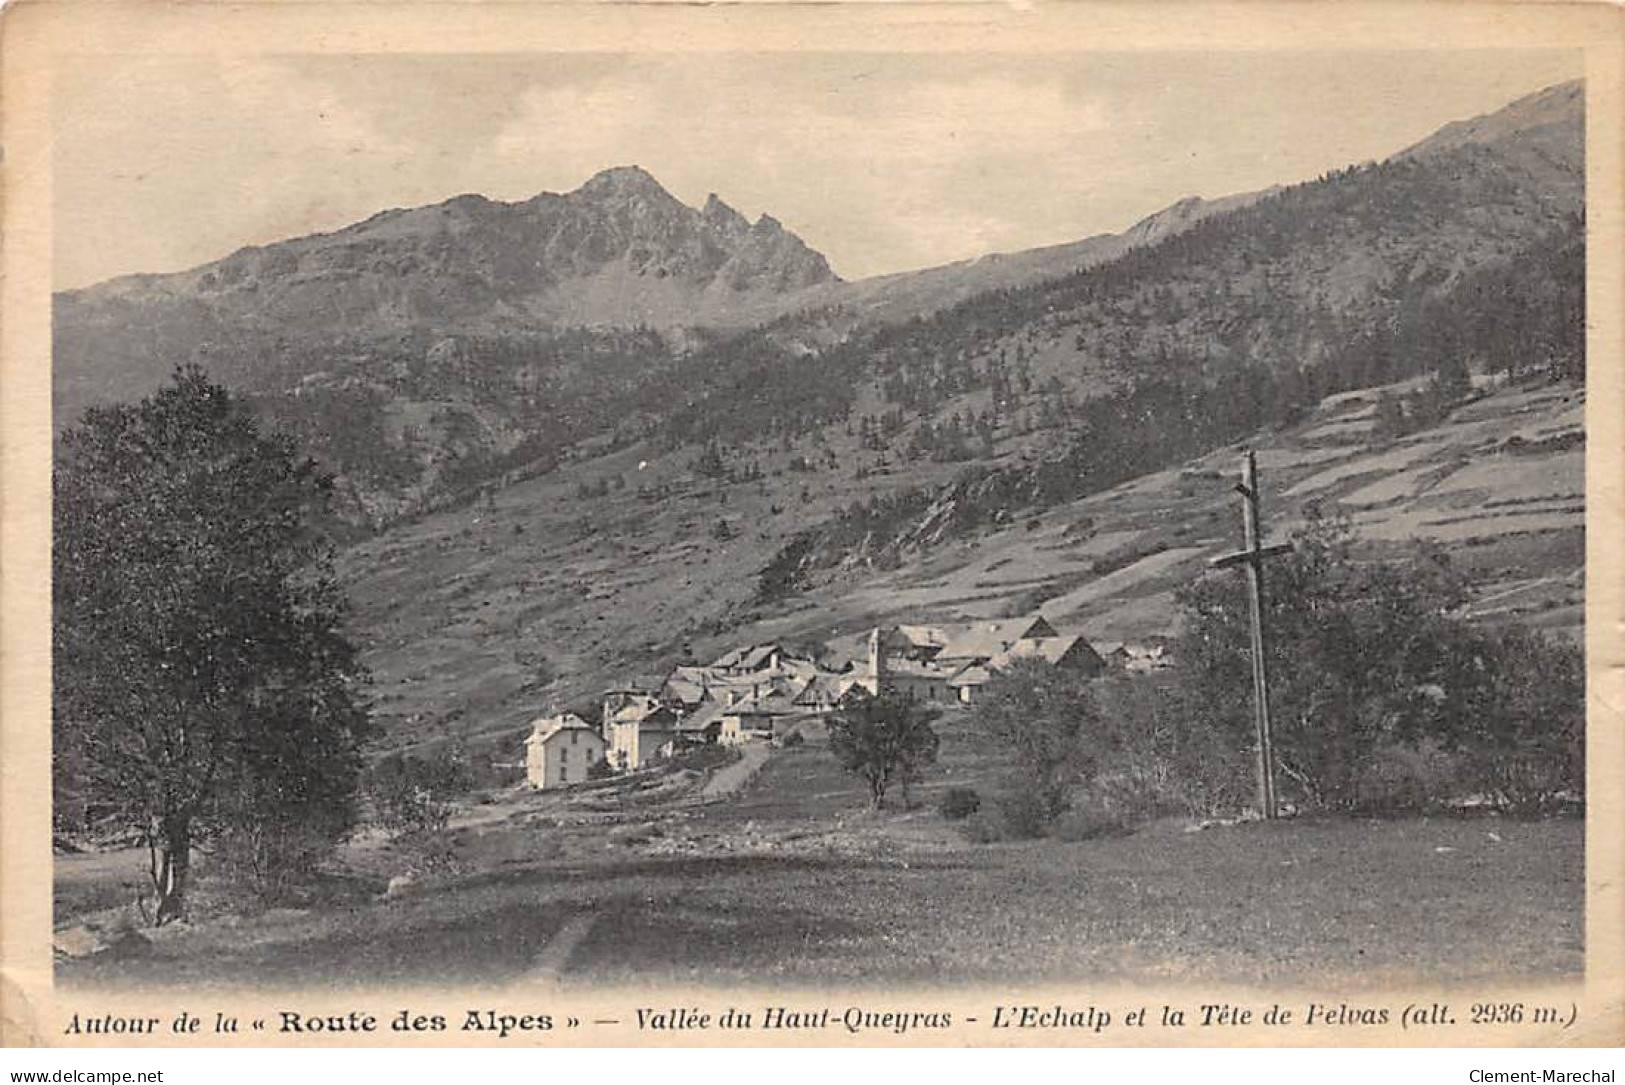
(1252, 555)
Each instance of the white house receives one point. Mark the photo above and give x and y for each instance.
(560, 749)
(637, 730)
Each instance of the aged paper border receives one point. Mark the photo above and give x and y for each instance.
(35, 32)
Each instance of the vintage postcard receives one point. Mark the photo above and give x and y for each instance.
(886, 524)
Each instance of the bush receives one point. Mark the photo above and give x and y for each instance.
(1155, 763)
(702, 758)
(600, 769)
(1092, 818)
(254, 865)
(1050, 720)
(982, 828)
(1402, 780)
(1519, 719)
(1023, 815)
(958, 803)
(792, 739)
(412, 799)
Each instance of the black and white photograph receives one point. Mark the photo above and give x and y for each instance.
(580, 518)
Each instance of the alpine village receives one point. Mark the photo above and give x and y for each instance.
(599, 588)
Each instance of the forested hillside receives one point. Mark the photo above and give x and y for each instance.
(1514, 317)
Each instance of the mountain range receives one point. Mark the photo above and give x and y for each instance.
(618, 252)
(432, 352)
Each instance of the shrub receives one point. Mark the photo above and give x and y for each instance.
(1023, 815)
(412, 799)
(958, 803)
(1518, 714)
(701, 758)
(1090, 819)
(1156, 763)
(1050, 721)
(258, 864)
(600, 769)
(1403, 780)
(792, 739)
(982, 828)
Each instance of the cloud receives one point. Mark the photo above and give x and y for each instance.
(881, 161)
(164, 164)
(918, 162)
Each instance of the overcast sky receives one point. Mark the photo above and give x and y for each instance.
(883, 162)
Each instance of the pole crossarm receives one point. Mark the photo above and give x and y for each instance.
(1240, 556)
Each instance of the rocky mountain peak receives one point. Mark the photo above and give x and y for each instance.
(1552, 119)
(623, 181)
(723, 217)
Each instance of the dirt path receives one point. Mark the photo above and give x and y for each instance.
(550, 963)
(725, 781)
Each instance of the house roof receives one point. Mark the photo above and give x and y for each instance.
(800, 668)
(702, 717)
(681, 689)
(775, 703)
(647, 711)
(758, 656)
(983, 640)
(545, 727)
(1050, 649)
(925, 636)
(825, 689)
(749, 657)
(971, 674)
(916, 668)
(729, 659)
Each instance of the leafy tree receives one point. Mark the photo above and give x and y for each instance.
(1046, 717)
(1344, 670)
(202, 679)
(412, 799)
(1369, 656)
(883, 739)
(1513, 704)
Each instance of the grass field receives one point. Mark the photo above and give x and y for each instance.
(793, 882)
(1346, 903)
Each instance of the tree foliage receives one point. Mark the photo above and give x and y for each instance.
(1049, 721)
(412, 798)
(1370, 657)
(203, 684)
(883, 739)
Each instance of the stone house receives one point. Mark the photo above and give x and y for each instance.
(637, 730)
(560, 750)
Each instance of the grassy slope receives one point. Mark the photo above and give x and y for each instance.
(477, 619)
(794, 885)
